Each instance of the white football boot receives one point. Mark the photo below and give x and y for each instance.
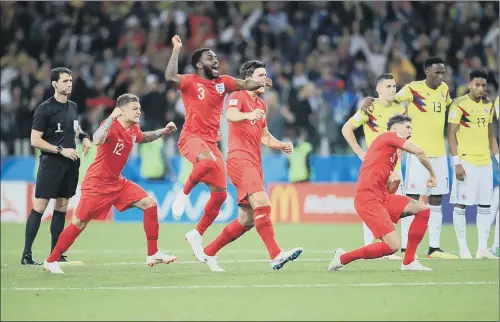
(284, 257)
(213, 265)
(485, 254)
(160, 257)
(179, 204)
(193, 237)
(414, 266)
(393, 257)
(53, 267)
(335, 264)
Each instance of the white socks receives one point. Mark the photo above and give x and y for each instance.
(494, 213)
(483, 221)
(405, 227)
(460, 227)
(367, 235)
(435, 223)
(496, 242)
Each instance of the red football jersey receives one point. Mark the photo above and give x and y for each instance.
(203, 100)
(245, 136)
(379, 162)
(104, 174)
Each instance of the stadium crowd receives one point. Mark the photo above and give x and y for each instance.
(323, 57)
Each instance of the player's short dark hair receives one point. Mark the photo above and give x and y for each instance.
(384, 77)
(125, 99)
(55, 74)
(478, 73)
(397, 118)
(431, 61)
(197, 55)
(247, 69)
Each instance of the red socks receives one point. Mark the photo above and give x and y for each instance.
(66, 239)
(151, 228)
(264, 227)
(230, 233)
(416, 234)
(212, 209)
(200, 169)
(375, 250)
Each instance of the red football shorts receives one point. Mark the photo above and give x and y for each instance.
(380, 216)
(190, 146)
(246, 177)
(97, 206)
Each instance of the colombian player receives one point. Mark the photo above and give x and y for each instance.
(378, 208)
(203, 95)
(247, 131)
(426, 103)
(375, 123)
(471, 136)
(104, 186)
(495, 249)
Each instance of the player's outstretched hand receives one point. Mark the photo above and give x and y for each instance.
(367, 106)
(86, 145)
(269, 82)
(431, 182)
(169, 128)
(116, 112)
(176, 42)
(287, 147)
(70, 154)
(256, 115)
(460, 172)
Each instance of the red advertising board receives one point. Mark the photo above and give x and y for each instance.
(313, 203)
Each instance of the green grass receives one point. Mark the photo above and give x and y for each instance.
(248, 290)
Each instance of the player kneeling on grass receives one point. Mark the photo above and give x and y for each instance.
(379, 208)
(104, 186)
(247, 131)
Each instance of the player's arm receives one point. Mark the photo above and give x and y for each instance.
(353, 123)
(102, 132)
(251, 85)
(269, 140)
(412, 148)
(403, 97)
(454, 118)
(171, 72)
(234, 113)
(151, 136)
(493, 140)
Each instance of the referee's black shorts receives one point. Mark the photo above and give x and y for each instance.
(57, 177)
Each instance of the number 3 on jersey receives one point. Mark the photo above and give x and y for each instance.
(118, 148)
(201, 92)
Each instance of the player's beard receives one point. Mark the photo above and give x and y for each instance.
(208, 72)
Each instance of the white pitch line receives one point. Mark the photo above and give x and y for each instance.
(169, 251)
(162, 287)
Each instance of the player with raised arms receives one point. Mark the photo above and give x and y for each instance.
(374, 123)
(247, 131)
(471, 137)
(104, 186)
(379, 208)
(203, 96)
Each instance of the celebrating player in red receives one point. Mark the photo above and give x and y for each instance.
(247, 131)
(203, 95)
(104, 186)
(379, 208)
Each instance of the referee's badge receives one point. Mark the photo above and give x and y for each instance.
(59, 128)
(220, 88)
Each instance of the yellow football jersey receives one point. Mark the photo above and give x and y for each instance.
(474, 119)
(427, 107)
(376, 122)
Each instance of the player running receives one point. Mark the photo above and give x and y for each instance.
(104, 186)
(427, 101)
(203, 95)
(379, 208)
(471, 136)
(375, 123)
(247, 131)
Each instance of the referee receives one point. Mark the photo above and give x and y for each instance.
(55, 127)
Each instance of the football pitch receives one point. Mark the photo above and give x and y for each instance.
(114, 284)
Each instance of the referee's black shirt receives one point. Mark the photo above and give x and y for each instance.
(58, 122)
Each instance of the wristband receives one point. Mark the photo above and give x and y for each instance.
(82, 136)
(496, 157)
(456, 160)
